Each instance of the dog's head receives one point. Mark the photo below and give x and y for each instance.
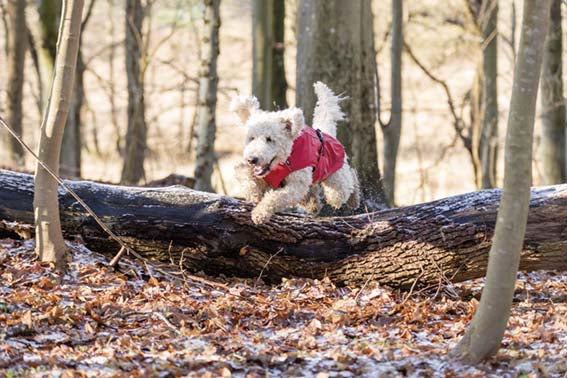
(269, 135)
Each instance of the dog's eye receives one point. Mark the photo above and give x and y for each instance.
(269, 140)
(251, 139)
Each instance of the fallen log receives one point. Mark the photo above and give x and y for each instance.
(425, 244)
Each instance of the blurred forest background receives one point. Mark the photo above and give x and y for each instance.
(451, 119)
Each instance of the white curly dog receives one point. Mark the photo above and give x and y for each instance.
(287, 163)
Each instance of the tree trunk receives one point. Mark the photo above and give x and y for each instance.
(337, 47)
(476, 113)
(484, 15)
(208, 79)
(489, 135)
(268, 73)
(486, 330)
(552, 103)
(5, 27)
(136, 135)
(49, 239)
(427, 243)
(70, 163)
(393, 129)
(111, 78)
(16, 59)
(45, 38)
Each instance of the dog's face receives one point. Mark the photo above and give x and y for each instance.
(269, 135)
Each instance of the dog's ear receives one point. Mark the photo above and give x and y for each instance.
(293, 121)
(244, 106)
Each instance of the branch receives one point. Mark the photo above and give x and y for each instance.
(458, 122)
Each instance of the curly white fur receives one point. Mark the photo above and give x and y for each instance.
(327, 111)
(269, 139)
(244, 106)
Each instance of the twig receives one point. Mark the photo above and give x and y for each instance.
(162, 317)
(458, 121)
(116, 258)
(363, 287)
(408, 295)
(267, 263)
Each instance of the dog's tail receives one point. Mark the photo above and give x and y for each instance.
(327, 111)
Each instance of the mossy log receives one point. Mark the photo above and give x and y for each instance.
(425, 244)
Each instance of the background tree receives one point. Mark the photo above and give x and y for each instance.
(336, 46)
(208, 80)
(17, 43)
(70, 163)
(50, 245)
(553, 103)
(45, 32)
(136, 134)
(486, 330)
(268, 71)
(392, 130)
(484, 14)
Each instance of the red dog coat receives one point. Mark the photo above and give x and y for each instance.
(311, 148)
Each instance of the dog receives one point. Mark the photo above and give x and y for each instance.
(288, 163)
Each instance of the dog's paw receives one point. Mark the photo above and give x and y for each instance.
(260, 216)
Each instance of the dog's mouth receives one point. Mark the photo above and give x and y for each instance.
(262, 169)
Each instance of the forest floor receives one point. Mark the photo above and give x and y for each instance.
(143, 322)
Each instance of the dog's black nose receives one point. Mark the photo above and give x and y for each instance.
(253, 160)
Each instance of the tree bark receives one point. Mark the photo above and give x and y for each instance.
(136, 135)
(70, 164)
(208, 80)
(427, 243)
(44, 33)
(268, 73)
(16, 60)
(486, 330)
(393, 129)
(484, 14)
(489, 135)
(552, 103)
(49, 239)
(337, 47)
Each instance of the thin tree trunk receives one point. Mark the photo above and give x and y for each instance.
(476, 101)
(111, 77)
(208, 80)
(70, 163)
(136, 135)
(49, 239)
(393, 129)
(15, 84)
(36, 66)
(553, 103)
(486, 330)
(6, 27)
(422, 245)
(484, 95)
(489, 136)
(268, 73)
(337, 47)
(45, 38)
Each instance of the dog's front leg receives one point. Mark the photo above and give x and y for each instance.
(251, 187)
(295, 189)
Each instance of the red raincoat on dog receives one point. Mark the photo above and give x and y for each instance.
(311, 148)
